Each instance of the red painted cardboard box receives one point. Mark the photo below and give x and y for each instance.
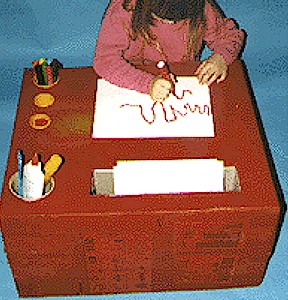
(75, 243)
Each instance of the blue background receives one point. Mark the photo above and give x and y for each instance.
(67, 30)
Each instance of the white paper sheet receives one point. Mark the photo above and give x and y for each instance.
(168, 176)
(123, 113)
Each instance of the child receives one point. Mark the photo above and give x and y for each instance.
(142, 32)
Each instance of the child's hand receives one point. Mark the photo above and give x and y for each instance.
(160, 89)
(211, 69)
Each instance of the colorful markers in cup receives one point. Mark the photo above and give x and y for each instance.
(46, 74)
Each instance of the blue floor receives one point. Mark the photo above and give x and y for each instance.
(67, 30)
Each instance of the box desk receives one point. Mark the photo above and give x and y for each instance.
(74, 243)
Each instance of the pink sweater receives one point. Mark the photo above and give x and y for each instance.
(116, 51)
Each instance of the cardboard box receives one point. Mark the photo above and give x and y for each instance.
(74, 243)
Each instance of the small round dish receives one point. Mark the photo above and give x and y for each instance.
(44, 100)
(40, 121)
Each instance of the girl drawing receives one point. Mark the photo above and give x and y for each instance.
(141, 32)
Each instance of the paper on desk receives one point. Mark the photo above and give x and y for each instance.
(123, 113)
(168, 176)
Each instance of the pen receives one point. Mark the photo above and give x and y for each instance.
(20, 172)
(49, 75)
(56, 65)
(166, 74)
(39, 74)
(44, 65)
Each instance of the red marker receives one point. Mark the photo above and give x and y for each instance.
(163, 67)
(49, 75)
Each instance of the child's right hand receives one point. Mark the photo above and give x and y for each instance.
(160, 89)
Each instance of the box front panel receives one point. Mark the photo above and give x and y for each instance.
(178, 251)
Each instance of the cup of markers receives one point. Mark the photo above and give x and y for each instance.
(46, 73)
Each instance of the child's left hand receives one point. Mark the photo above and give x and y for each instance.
(211, 69)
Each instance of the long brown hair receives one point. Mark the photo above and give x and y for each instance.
(175, 10)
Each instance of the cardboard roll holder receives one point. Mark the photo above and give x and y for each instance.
(46, 86)
(13, 187)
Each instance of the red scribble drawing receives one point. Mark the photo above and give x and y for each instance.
(171, 109)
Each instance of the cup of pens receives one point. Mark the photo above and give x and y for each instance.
(46, 73)
(33, 182)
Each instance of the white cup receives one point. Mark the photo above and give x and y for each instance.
(13, 186)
